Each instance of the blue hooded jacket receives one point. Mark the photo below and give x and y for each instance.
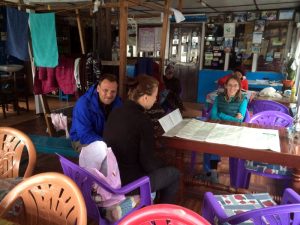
(88, 117)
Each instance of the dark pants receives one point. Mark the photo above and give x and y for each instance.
(165, 181)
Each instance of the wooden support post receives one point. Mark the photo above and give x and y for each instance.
(104, 42)
(180, 5)
(163, 42)
(108, 45)
(123, 46)
(81, 35)
(47, 112)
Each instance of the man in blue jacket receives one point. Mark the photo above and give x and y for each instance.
(92, 110)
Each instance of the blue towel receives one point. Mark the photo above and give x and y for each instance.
(17, 33)
(43, 35)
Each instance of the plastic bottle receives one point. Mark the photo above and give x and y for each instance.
(293, 93)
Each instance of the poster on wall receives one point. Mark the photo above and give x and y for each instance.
(269, 57)
(257, 37)
(228, 18)
(277, 55)
(208, 56)
(228, 42)
(207, 62)
(157, 31)
(147, 39)
(240, 17)
(229, 30)
(259, 25)
(255, 49)
(269, 15)
(286, 14)
(251, 16)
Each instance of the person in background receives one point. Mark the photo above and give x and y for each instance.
(130, 134)
(228, 106)
(92, 110)
(239, 72)
(173, 90)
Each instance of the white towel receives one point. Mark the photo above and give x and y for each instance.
(60, 122)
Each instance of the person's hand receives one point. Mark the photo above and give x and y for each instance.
(239, 116)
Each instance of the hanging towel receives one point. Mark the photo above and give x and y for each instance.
(17, 33)
(43, 35)
(76, 72)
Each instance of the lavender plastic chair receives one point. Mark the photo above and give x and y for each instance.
(265, 105)
(206, 117)
(287, 213)
(239, 174)
(85, 181)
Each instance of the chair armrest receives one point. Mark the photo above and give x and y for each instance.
(290, 196)
(211, 208)
(142, 183)
(278, 213)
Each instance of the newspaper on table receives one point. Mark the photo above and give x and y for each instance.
(172, 123)
(197, 130)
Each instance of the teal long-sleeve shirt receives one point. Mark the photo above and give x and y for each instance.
(218, 115)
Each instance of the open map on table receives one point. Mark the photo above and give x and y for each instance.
(197, 130)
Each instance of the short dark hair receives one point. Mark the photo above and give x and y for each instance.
(109, 77)
(243, 72)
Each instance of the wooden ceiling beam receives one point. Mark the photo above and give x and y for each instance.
(149, 5)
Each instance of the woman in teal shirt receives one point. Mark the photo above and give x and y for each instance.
(228, 106)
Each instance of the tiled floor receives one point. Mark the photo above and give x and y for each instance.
(31, 123)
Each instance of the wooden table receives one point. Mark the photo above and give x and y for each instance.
(289, 155)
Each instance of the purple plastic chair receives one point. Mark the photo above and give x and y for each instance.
(239, 174)
(287, 213)
(265, 105)
(85, 181)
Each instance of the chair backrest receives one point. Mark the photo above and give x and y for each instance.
(48, 199)
(12, 144)
(164, 214)
(272, 118)
(85, 181)
(264, 105)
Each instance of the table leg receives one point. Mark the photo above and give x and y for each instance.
(179, 158)
(296, 180)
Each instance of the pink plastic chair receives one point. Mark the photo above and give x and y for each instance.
(161, 214)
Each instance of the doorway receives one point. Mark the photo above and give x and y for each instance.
(184, 51)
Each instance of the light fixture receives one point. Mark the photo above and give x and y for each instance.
(97, 4)
(179, 17)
